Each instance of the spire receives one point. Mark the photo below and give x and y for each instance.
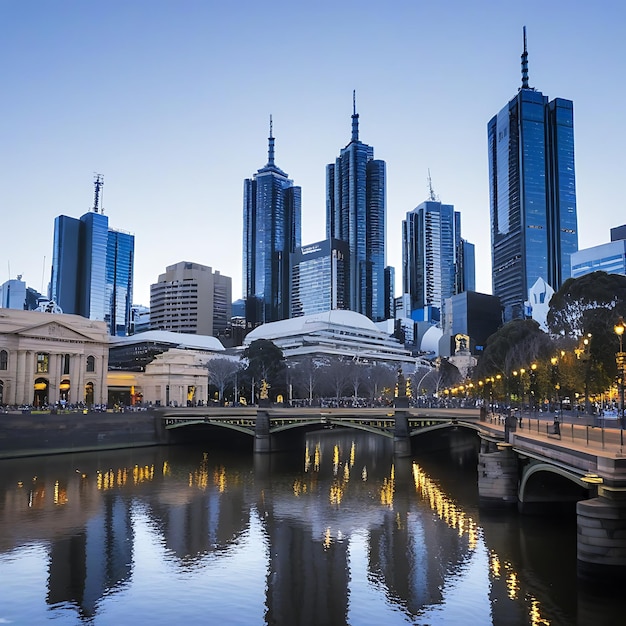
(355, 118)
(270, 151)
(98, 183)
(525, 64)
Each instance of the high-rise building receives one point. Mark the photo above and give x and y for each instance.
(13, 294)
(355, 213)
(532, 194)
(607, 257)
(191, 298)
(437, 262)
(271, 233)
(92, 268)
(318, 277)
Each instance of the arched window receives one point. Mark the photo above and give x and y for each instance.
(4, 359)
(66, 364)
(91, 364)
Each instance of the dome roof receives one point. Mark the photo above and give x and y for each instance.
(182, 340)
(430, 340)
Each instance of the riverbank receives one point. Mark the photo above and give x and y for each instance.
(31, 434)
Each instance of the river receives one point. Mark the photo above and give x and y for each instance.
(335, 532)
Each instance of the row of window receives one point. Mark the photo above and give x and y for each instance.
(43, 362)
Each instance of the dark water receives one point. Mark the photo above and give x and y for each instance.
(336, 533)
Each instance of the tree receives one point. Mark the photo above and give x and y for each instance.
(381, 377)
(355, 374)
(335, 376)
(221, 371)
(265, 360)
(515, 345)
(307, 374)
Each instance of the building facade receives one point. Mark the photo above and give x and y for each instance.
(92, 270)
(271, 233)
(13, 294)
(355, 213)
(437, 262)
(191, 298)
(532, 194)
(319, 274)
(48, 359)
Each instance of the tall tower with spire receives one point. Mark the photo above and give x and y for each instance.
(271, 232)
(532, 195)
(355, 213)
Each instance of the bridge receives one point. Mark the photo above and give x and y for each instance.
(536, 463)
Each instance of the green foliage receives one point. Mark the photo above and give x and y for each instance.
(265, 360)
(515, 345)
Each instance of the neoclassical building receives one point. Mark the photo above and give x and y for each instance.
(50, 358)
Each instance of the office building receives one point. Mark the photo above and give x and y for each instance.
(271, 233)
(437, 262)
(191, 298)
(355, 213)
(318, 277)
(92, 268)
(608, 257)
(532, 194)
(13, 294)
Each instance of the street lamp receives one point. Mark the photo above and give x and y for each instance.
(619, 331)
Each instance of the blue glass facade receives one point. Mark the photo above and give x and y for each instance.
(436, 261)
(532, 195)
(607, 257)
(319, 277)
(92, 270)
(271, 233)
(355, 213)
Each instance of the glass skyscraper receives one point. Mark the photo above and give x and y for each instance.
(355, 213)
(532, 194)
(436, 262)
(92, 270)
(318, 277)
(271, 233)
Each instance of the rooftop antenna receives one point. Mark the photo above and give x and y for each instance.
(431, 192)
(355, 118)
(525, 64)
(270, 151)
(98, 184)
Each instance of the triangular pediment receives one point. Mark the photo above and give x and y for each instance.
(55, 330)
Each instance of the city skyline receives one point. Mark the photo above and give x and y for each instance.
(171, 107)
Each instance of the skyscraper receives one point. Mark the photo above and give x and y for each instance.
(532, 194)
(355, 213)
(271, 232)
(436, 262)
(92, 268)
(318, 277)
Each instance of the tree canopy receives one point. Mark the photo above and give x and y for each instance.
(265, 360)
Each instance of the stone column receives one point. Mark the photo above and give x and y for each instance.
(20, 379)
(80, 379)
(54, 368)
(74, 396)
(31, 374)
(101, 368)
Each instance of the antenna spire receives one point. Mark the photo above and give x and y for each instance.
(525, 64)
(431, 192)
(270, 151)
(355, 118)
(98, 184)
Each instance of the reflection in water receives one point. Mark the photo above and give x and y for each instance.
(347, 534)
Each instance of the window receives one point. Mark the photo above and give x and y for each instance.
(4, 359)
(43, 362)
(91, 364)
(66, 364)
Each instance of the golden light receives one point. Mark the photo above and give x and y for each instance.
(619, 327)
(533, 367)
(554, 360)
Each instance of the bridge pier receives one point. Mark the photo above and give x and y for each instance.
(497, 474)
(401, 437)
(262, 437)
(601, 521)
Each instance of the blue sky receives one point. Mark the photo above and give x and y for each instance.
(170, 102)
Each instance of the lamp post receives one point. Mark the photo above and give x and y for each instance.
(619, 331)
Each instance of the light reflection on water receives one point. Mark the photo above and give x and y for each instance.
(344, 535)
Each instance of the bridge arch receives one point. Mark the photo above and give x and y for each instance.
(546, 488)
